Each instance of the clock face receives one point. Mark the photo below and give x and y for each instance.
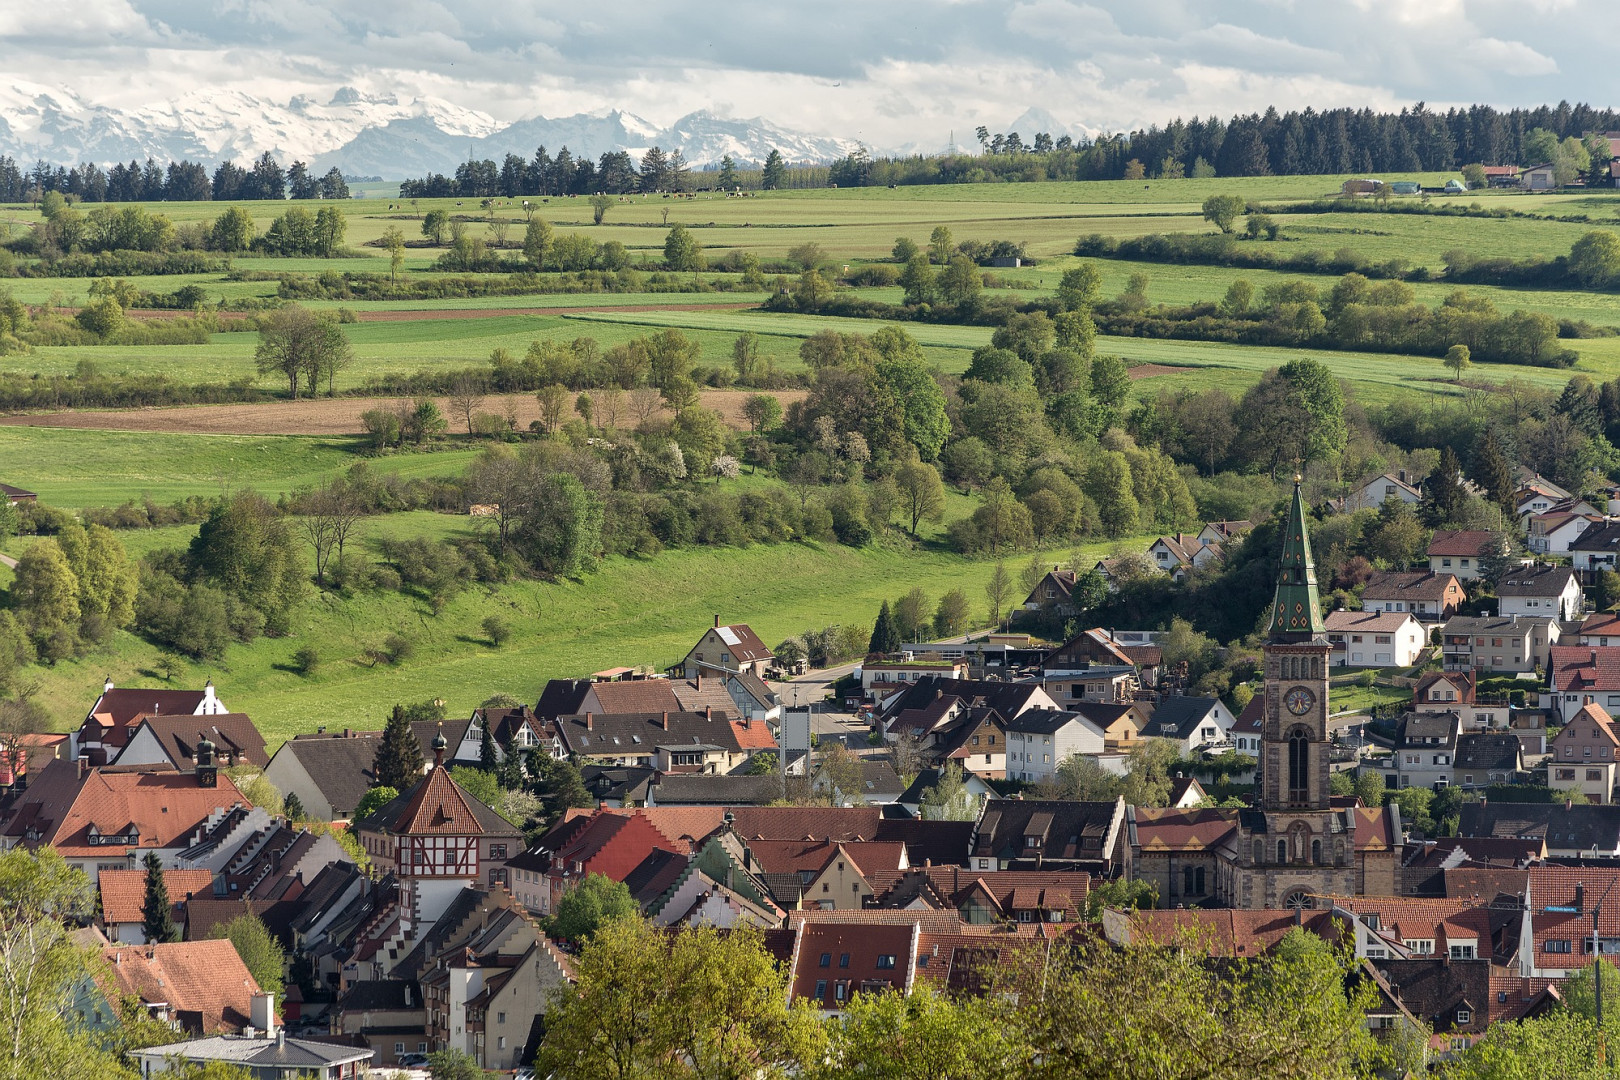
(1299, 700)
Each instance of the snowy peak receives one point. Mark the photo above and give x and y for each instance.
(362, 133)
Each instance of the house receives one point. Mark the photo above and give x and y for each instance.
(1487, 757)
(172, 740)
(111, 818)
(1600, 628)
(1112, 684)
(880, 678)
(708, 789)
(878, 784)
(731, 649)
(1186, 792)
(197, 987)
(1371, 493)
(107, 725)
(1555, 940)
(927, 779)
(1579, 675)
(1459, 551)
(1430, 597)
(1585, 754)
(1425, 744)
(123, 895)
(1195, 723)
(1040, 739)
(934, 700)
(329, 772)
(1540, 590)
(15, 495)
(1179, 554)
(1569, 831)
(705, 741)
(1595, 549)
(1375, 638)
(515, 727)
(512, 1000)
(833, 961)
(386, 1014)
(1553, 532)
(1121, 725)
(1502, 175)
(753, 699)
(1222, 533)
(1054, 592)
(1537, 495)
(1100, 648)
(976, 739)
(1453, 691)
(1245, 732)
(436, 839)
(1543, 177)
(601, 842)
(1505, 643)
(1029, 834)
(273, 1057)
(825, 875)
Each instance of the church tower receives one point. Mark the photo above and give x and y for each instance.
(1294, 846)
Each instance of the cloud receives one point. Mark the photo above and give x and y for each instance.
(889, 74)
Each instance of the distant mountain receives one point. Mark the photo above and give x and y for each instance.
(359, 133)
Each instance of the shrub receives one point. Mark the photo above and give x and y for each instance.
(306, 660)
(497, 630)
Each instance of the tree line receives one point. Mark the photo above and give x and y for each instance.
(614, 173)
(179, 181)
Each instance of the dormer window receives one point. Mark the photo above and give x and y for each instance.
(1465, 1016)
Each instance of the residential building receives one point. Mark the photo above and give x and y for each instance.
(1595, 549)
(1054, 592)
(1375, 638)
(123, 898)
(1569, 831)
(731, 649)
(197, 987)
(705, 741)
(1459, 551)
(1579, 675)
(1222, 533)
(106, 727)
(601, 842)
(1372, 492)
(437, 839)
(1553, 532)
(880, 678)
(1540, 590)
(1245, 732)
(1498, 643)
(111, 818)
(387, 1015)
(933, 701)
(504, 1013)
(826, 875)
(1122, 725)
(173, 740)
(1600, 628)
(1585, 755)
(1453, 691)
(1429, 596)
(1098, 647)
(1030, 834)
(1112, 684)
(329, 772)
(1194, 723)
(1425, 744)
(15, 495)
(911, 798)
(273, 1057)
(1179, 554)
(1487, 757)
(1040, 739)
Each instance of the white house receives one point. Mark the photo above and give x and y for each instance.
(1552, 533)
(1459, 551)
(1595, 549)
(1371, 493)
(1540, 590)
(1180, 553)
(1196, 723)
(1039, 740)
(1429, 596)
(1375, 638)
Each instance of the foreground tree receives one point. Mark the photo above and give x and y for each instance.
(398, 761)
(157, 910)
(261, 953)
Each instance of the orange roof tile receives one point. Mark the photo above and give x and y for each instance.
(754, 735)
(123, 892)
(205, 979)
(439, 806)
(163, 805)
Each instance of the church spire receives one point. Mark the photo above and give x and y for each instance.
(1297, 612)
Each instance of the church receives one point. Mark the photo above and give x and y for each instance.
(1299, 843)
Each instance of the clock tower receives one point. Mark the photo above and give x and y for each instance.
(1294, 846)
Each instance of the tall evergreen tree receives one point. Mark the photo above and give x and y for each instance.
(1493, 471)
(487, 758)
(398, 763)
(157, 914)
(885, 633)
(1445, 496)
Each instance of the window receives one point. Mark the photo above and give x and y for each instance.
(1591, 774)
(399, 1048)
(821, 989)
(1299, 765)
(825, 887)
(1424, 946)
(826, 959)
(885, 962)
(843, 960)
(1465, 1016)
(838, 991)
(421, 1047)
(1555, 945)
(500, 1042)
(497, 851)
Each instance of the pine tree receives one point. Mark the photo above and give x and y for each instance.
(885, 633)
(157, 914)
(293, 807)
(398, 763)
(1493, 471)
(487, 759)
(1446, 496)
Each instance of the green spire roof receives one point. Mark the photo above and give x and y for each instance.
(1297, 611)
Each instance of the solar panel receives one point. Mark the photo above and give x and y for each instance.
(728, 635)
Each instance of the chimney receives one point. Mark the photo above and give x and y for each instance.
(708, 712)
(700, 680)
(106, 687)
(1569, 804)
(262, 1012)
(1580, 896)
(590, 721)
(664, 720)
(717, 622)
(281, 1038)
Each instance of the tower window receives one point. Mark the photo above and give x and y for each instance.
(1299, 766)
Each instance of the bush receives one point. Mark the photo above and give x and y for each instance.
(397, 649)
(306, 660)
(497, 630)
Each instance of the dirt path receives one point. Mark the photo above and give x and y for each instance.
(8, 561)
(334, 416)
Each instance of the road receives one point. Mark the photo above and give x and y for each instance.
(812, 688)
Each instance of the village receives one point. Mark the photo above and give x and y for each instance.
(933, 800)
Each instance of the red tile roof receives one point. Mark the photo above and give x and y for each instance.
(1465, 542)
(753, 735)
(864, 944)
(1584, 667)
(205, 979)
(1601, 622)
(1169, 829)
(1227, 932)
(123, 892)
(1414, 585)
(637, 696)
(164, 806)
(1252, 716)
(795, 856)
(440, 807)
(743, 642)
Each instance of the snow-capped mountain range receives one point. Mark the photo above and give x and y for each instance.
(361, 134)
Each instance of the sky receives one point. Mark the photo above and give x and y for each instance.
(890, 73)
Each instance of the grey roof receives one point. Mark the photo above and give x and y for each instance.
(707, 789)
(618, 782)
(1598, 538)
(1535, 581)
(1008, 699)
(260, 1053)
(926, 779)
(1488, 750)
(1179, 717)
(339, 766)
(1068, 835)
(757, 688)
(637, 734)
(1415, 725)
(372, 995)
(1590, 826)
(1494, 624)
(1046, 721)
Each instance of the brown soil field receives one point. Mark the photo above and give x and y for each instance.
(1147, 371)
(333, 416)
